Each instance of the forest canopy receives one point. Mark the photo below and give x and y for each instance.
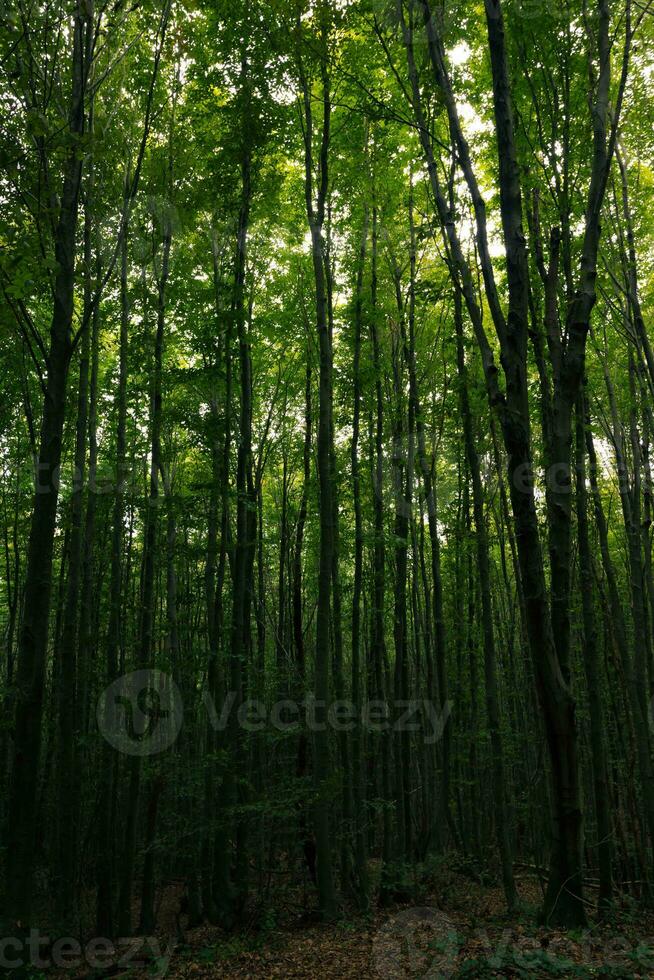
(325, 452)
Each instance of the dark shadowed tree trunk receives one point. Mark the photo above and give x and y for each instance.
(490, 664)
(316, 216)
(33, 640)
(591, 666)
(148, 581)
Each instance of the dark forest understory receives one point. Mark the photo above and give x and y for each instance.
(326, 587)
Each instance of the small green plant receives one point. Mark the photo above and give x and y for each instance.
(206, 955)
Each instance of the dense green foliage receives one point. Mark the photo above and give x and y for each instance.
(324, 337)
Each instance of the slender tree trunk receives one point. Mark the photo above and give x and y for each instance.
(490, 665)
(106, 835)
(302, 762)
(378, 642)
(358, 775)
(245, 531)
(403, 465)
(147, 610)
(591, 666)
(71, 707)
(316, 216)
(215, 877)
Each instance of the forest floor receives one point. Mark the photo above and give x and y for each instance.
(458, 929)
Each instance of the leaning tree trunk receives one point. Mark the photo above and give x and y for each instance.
(564, 899)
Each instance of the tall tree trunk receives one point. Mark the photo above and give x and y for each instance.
(215, 877)
(591, 666)
(245, 525)
(302, 761)
(377, 640)
(358, 776)
(70, 706)
(316, 217)
(33, 641)
(106, 830)
(564, 899)
(147, 611)
(403, 464)
(490, 664)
